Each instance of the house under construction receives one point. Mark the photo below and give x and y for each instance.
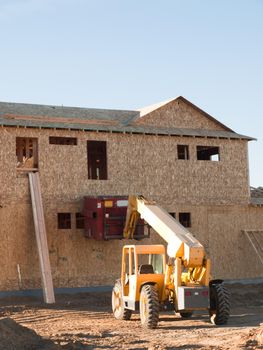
(174, 153)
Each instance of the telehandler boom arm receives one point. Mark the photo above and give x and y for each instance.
(181, 243)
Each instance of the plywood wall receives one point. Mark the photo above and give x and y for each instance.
(216, 194)
(179, 114)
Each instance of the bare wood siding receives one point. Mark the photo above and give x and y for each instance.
(136, 164)
(178, 114)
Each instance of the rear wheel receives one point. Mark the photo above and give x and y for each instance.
(118, 309)
(219, 304)
(186, 314)
(149, 306)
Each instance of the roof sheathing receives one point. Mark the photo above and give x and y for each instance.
(9, 110)
(91, 119)
(256, 196)
(257, 202)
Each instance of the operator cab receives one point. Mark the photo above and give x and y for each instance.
(141, 264)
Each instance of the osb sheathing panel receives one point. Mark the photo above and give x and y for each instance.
(136, 164)
(141, 164)
(232, 254)
(178, 114)
(78, 261)
(7, 163)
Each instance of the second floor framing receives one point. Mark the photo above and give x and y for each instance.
(127, 163)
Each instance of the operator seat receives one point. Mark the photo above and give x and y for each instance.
(145, 269)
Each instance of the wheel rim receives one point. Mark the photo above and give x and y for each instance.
(143, 308)
(116, 301)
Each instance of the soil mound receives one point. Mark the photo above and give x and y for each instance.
(255, 339)
(14, 336)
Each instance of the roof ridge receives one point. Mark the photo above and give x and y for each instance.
(148, 109)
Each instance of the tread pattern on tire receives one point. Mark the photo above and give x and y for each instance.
(152, 316)
(219, 304)
(125, 314)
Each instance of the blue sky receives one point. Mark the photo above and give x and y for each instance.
(131, 53)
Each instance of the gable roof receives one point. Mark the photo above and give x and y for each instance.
(104, 120)
(147, 110)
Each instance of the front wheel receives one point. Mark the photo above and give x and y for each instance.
(118, 309)
(219, 304)
(149, 306)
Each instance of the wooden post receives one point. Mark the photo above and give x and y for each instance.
(41, 238)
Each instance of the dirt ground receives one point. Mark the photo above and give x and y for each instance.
(84, 321)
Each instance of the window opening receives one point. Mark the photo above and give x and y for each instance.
(185, 219)
(55, 140)
(97, 160)
(26, 153)
(156, 260)
(80, 221)
(173, 215)
(183, 152)
(208, 153)
(64, 221)
(150, 263)
(129, 263)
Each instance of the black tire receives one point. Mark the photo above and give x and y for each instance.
(149, 306)
(118, 309)
(186, 314)
(219, 304)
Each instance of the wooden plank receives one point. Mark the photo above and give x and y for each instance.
(42, 242)
(41, 238)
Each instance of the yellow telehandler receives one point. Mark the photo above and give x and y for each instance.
(148, 283)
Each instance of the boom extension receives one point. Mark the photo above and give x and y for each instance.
(181, 243)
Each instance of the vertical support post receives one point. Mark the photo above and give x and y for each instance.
(41, 238)
(130, 261)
